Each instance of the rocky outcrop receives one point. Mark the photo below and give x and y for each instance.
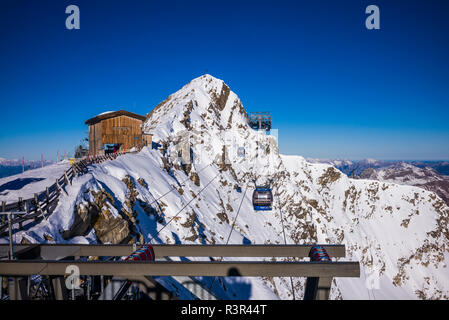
(96, 215)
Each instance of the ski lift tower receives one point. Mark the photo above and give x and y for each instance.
(260, 120)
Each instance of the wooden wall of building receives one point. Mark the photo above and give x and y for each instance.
(118, 130)
(147, 139)
(95, 139)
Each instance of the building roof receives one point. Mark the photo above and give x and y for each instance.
(112, 114)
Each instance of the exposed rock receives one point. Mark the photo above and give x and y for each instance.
(331, 175)
(48, 237)
(142, 182)
(195, 178)
(223, 217)
(109, 229)
(96, 215)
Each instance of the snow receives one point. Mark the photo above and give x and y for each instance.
(395, 231)
(106, 112)
(31, 181)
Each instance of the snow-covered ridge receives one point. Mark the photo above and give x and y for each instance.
(428, 175)
(397, 232)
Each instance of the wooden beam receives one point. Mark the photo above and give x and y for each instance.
(53, 251)
(189, 268)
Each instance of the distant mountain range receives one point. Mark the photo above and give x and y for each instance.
(429, 175)
(356, 167)
(9, 167)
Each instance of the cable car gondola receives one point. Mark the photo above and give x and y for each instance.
(241, 152)
(262, 198)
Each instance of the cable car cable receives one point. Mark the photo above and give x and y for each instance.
(185, 206)
(236, 216)
(285, 239)
(160, 197)
(173, 188)
(232, 228)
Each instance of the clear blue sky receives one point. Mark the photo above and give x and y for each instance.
(335, 89)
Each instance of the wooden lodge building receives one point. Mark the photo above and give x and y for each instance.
(116, 130)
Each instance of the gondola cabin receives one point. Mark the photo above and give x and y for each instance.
(241, 152)
(262, 199)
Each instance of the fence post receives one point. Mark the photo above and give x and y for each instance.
(35, 201)
(38, 207)
(66, 178)
(3, 210)
(48, 199)
(35, 204)
(20, 204)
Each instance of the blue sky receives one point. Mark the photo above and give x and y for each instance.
(334, 88)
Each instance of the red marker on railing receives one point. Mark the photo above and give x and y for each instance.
(144, 253)
(318, 253)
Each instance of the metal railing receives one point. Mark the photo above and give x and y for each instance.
(44, 262)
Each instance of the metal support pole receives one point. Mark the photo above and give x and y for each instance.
(17, 288)
(324, 288)
(317, 288)
(311, 289)
(59, 288)
(28, 279)
(12, 290)
(89, 287)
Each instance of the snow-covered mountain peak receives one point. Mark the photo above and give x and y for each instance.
(205, 103)
(208, 118)
(206, 81)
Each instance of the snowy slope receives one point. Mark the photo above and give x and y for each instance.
(398, 233)
(409, 174)
(31, 181)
